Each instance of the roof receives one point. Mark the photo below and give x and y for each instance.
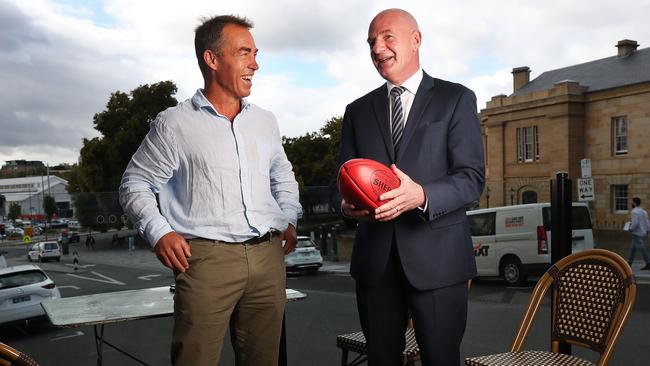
(600, 74)
(19, 189)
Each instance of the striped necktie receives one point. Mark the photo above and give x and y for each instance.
(397, 119)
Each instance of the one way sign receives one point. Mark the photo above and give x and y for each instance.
(585, 189)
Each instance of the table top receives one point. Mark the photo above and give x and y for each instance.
(113, 307)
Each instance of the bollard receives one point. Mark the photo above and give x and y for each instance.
(335, 249)
(323, 240)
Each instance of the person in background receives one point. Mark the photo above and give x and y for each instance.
(639, 227)
(228, 199)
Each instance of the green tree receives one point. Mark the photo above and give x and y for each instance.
(49, 207)
(313, 155)
(14, 211)
(122, 125)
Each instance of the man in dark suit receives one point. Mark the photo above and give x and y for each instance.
(413, 255)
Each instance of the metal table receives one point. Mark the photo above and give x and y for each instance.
(113, 307)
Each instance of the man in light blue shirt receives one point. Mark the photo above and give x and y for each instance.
(227, 199)
(639, 227)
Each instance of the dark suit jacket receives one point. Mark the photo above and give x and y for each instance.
(442, 150)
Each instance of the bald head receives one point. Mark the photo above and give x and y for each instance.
(394, 39)
(398, 15)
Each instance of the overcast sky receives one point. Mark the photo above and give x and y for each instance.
(61, 59)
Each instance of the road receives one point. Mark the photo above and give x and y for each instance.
(312, 324)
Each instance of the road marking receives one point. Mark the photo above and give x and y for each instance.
(84, 266)
(106, 279)
(148, 277)
(75, 334)
(70, 286)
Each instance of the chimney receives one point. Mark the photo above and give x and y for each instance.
(520, 77)
(626, 47)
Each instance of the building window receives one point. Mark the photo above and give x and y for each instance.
(528, 146)
(529, 197)
(619, 135)
(619, 198)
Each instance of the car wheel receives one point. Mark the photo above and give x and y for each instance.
(58, 259)
(313, 270)
(42, 259)
(512, 271)
(29, 259)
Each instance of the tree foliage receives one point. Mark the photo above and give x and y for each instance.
(14, 211)
(313, 155)
(122, 124)
(49, 207)
(102, 161)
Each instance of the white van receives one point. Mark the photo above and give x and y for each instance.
(515, 241)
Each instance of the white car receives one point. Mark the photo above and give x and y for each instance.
(14, 231)
(44, 251)
(306, 257)
(22, 288)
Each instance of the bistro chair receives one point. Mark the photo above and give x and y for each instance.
(356, 343)
(12, 357)
(594, 294)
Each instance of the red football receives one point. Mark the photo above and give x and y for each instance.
(362, 181)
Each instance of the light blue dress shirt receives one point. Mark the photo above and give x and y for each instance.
(215, 179)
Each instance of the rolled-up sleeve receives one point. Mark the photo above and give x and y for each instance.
(152, 165)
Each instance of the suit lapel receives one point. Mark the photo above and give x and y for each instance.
(380, 107)
(423, 97)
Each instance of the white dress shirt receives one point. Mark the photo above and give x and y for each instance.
(215, 179)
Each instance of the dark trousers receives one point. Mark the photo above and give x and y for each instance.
(439, 318)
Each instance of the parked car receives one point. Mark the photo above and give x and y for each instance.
(14, 231)
(22, 288)
(74, 225)
(57, 224)
(44, 251)
(306, 257)
(69, 237)
(515, 241)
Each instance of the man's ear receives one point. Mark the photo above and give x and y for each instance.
(210, 59)
(417, 39)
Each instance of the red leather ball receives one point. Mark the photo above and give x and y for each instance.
(362, 181)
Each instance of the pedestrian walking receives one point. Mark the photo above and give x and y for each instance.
(639, 227)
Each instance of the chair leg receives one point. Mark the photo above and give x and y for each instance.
(344, 357)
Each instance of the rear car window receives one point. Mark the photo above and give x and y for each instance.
(51, 246)
(580, 219)
(17, 279)
(482, 224)
(305, 243)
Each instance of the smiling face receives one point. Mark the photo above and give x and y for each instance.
(235, 62)
(394, 41)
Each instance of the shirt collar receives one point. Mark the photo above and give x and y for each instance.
(200, 101)
(411, 84)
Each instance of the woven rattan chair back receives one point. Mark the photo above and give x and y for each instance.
(594, 294)
(13, 357)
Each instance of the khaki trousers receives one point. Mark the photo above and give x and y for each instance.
(236, 284)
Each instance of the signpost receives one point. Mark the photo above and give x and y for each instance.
(585, 189)
(586, 183)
